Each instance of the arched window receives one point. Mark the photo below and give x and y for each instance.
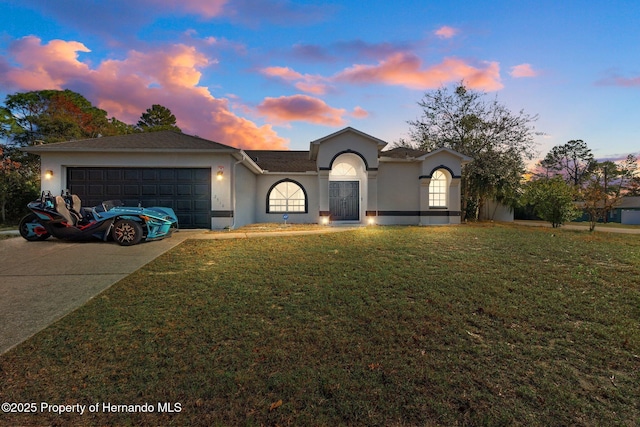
(287, 196)
(343, 169)
(438, 190)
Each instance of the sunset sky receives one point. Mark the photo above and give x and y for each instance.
(278, 74)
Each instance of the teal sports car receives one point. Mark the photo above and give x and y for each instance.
(64, 218)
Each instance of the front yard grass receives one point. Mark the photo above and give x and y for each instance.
(471, 325)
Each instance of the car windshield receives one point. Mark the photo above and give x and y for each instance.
(107, 205)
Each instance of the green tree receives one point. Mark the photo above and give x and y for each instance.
(158, 118)
(604, 188)
(52, 116)
(630, 176)
(633, 187)
(116, 127)
(573, 161)
(41, 117)
(552, 200)
(599, 186)
(16, 188)
(499, 141)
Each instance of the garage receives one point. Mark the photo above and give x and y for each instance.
(186, 190)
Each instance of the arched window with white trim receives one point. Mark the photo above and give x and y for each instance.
(438, 190)
(343, 169)
(287, 196)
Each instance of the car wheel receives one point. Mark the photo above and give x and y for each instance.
(127, 232)
(27, 233)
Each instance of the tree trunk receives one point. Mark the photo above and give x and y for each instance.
(3, 210)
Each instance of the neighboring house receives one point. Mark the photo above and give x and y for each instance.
(627, 211)
(345, 177)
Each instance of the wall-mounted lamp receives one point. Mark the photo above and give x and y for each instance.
(48, 174)
(219, 175)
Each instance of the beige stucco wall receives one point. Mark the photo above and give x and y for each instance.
(388, 186)
(308, 181)
(494, 211)
(220, 190)
(244, 204)
(398, 186)
(354, 142)
(441, 158)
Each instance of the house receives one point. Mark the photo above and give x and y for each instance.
(626, 211)
(344, 178)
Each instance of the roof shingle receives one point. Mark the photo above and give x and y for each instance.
(283, 161)
(164, 140)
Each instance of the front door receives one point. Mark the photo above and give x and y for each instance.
(344, 200)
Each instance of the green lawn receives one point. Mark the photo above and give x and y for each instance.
(469, 325)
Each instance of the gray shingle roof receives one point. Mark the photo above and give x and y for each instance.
(161, 141)
(403, 153)
(283, 161)
(629, 202)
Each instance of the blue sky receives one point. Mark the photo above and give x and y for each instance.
(279, 74)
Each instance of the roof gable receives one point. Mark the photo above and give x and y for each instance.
(463, 158)
(315, 145)
(403, 153)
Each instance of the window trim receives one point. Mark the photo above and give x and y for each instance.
(304, 191)
(444, 194)
(348, 166)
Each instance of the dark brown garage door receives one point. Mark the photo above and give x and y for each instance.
(187, 191)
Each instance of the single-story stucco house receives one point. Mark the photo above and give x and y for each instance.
(345, 177)
(626, 211)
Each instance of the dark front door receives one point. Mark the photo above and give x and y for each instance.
(344, 200)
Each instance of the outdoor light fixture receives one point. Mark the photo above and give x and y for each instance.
(48, 174)
(325, 220)
(372, 221)
(219, 175)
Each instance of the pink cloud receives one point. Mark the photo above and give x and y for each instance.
(361, 49)
(125, 88)
(311, 87)
(205, 8)
(301, 108)
(446, 32)
(523, 70)
(305, 82)
(360, 113)
(404, 69)
(616, 80)
(284, 73)
(60, 59)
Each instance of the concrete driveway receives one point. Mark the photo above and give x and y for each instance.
(41, 282)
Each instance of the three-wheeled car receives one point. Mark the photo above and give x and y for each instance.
(64, 217)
